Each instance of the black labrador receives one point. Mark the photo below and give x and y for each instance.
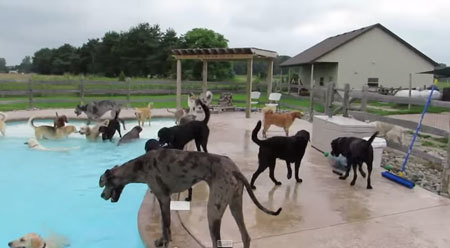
(178, 136)
(109, 131)
(357, 151)
(291, 149)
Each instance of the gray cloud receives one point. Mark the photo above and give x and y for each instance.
(287, 27)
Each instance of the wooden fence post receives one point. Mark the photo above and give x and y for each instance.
(329, 100)
(445, 171)
(81, 91)
(365, 89)
(30, 93)
(311, 102)
(346, 101)
(128, 82)
(410, 87)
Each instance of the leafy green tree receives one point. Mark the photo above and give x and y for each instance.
(206, 38)
(26, 65)
(3, 65)
(42, 61)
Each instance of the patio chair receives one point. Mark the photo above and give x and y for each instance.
(274, 99)
(254, 97)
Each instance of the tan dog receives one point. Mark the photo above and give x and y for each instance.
(92, 133)
(283, 120)
(3, 123)
(35, 145)
(144, 114)
(390, 132)
(50, 132)
(33, 240)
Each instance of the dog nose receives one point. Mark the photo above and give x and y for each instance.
(10, 244)
(103, 194)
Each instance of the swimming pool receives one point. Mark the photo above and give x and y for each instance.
(58, 192)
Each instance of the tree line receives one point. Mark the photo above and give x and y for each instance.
(142, 51)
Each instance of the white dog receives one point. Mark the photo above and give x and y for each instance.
(92, 133)
(3, 123)
(392, 133)
(35, 145)
(33, 240)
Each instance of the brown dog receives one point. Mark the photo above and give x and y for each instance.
(144, 114)
(283, 120)
(60, 120)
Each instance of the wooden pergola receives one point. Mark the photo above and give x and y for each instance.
(220, 54)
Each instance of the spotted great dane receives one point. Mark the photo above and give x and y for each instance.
(168, 171)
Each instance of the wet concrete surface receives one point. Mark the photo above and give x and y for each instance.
(323, 211)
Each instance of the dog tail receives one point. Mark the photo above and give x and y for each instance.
(173, 112)
(255, 133)
(206, 110)
(30, 122)
(244, 180)
(372, 137)
(4, 116)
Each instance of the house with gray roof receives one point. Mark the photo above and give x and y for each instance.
(372, 56)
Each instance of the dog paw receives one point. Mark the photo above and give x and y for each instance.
(278, 183)
(187, 199)
(289, 175)
(369, 187)
(253, 187)
(363, 175)
(352, 183)
(299, 180)
(342, 177)
(161, 243)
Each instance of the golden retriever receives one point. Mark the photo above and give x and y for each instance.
(390, 132)
(92, 133)
(35, 145)
(3, 123)
(50, 132)
(33, 240)
(283, 120)
(144, 114)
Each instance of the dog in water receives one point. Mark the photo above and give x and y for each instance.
(169, 171)
(60, 120)
(92, 133)
(283, 120)
(50, 132)
(3, 117)
(357, 151)
(96, 109)
(133, 134)
(290, 149)
(35, 145)
(33, 240)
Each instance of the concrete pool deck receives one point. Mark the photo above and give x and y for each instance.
(323, 211)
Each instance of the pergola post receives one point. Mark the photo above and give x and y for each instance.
(249, 87)
(311, 94)
(178, 84)
(269, 77)
(205, 77)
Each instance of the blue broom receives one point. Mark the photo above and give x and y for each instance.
(400, 177)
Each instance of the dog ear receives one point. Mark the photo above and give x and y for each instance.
(36, 242)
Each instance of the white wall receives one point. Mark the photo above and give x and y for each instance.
(379, 55)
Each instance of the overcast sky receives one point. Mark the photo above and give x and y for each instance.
(287, 27)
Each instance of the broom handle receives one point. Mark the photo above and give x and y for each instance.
(419, 125)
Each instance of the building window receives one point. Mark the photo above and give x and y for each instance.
(372, 82)
(321, 81)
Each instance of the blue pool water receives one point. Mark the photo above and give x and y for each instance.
(58, 192)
